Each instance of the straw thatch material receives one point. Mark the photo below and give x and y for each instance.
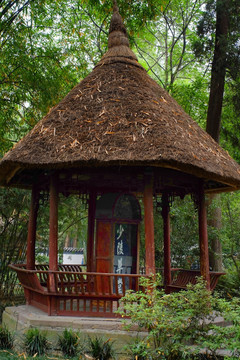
(119, 115)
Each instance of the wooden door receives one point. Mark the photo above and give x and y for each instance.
(104, 255)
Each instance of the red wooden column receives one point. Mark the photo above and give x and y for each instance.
(167, 240)
(32, 227)
(203, 236)
(149, 225)
(53, 230)
(91, 223)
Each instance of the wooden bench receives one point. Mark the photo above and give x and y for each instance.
(30, 281)
(63, 268)
(184, 277)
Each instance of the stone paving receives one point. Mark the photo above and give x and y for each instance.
(21, 318)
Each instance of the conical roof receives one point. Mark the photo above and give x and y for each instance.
(118, 115)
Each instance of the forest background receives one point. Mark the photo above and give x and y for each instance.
(190, 47)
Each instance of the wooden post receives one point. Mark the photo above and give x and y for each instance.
(149, 225)
(167, 240)
(203, 236)
(91, 223)
(53, 231)
(32, 228)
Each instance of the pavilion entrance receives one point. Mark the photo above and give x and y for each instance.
(117, 236)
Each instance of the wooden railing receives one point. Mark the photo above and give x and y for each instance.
(70, 291)
(73, 292)
(182, 277)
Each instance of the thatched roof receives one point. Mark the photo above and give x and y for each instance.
(119, 115)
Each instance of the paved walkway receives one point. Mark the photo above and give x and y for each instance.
(20, 318)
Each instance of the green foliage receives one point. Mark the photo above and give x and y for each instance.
(6, 339)
(138, 349)
(72, 221)
(229, 285)
(72, 224)
(177, 321)
(69, 343)
(14, 216)
(184, 244)
(101, 349)
(46, 48)
(165, 49)
(193, 96)
(36, 342)
(230, 119)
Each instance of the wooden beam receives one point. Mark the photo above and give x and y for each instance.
(32, 228)
(91, 226)
(203, 236)
(53, 230)
(167, 240)
(149, 225)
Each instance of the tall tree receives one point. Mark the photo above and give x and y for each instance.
(223, 55)
(215, 103)
(218, 72)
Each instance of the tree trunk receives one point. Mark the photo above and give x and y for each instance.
(214, 113)
(218, 71)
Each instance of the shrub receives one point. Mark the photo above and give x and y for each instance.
(36, 342)
(138, 350)
(177, 321)
(101, 349)
(69, 343)
(6, 339)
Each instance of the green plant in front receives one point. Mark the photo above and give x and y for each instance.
(36, 342)
(6, 339)
(101, 349)
(177, 321)
(69, 343)
(138, 350)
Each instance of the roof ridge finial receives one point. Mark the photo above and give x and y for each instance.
(117, 31)
(115, 6)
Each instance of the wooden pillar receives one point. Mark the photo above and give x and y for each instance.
(167, 241)
(91, 224)
(149, 225)
(203, 236)
(32, 228)
(53, 230)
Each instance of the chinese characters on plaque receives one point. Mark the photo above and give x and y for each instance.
(122, 253)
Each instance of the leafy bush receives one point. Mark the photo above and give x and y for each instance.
(138, 349)
(101, 349)
(229, 285)
(69, 343)
(6, 339)
(177, 321)
(36, 342)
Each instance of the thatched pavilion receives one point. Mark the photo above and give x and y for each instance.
(115, 136)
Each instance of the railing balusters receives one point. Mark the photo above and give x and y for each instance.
(82, 284)
(110, 284)
(124, 285)
(77, 292)
(102, 285)
(130, 279)
(75, 283)
(116, 284)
